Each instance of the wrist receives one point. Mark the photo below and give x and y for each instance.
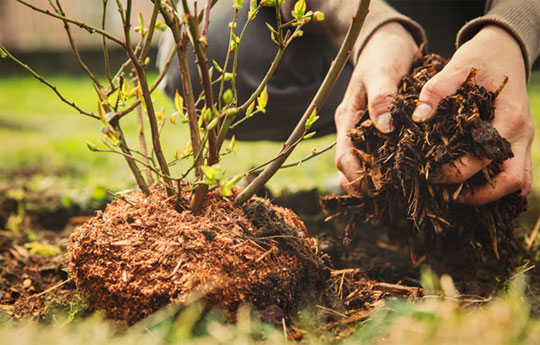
(498, 37)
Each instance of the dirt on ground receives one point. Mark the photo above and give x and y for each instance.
(137, 260)
(398, 169)
(32, 285)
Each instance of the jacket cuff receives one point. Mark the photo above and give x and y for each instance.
(379, 14)
(520, 18)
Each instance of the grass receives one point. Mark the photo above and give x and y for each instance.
(436, 320)
(36, 130)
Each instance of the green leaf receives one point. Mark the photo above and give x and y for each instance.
(271, 28)
(216, 65)
(268, 3)
(91, 146)
(207, 115)
(213, 123)
(160, 26)
(318, 15)
(228, 96)
(237, 4)
(141, 29)
(298, 33)
(252, 5)
(309, 135)
(262, 100)
(232, 144)
(212, 173)
(232, 112)
(179, 103)
(200, 122)
(312, 118)
(250, 110)
(226, 188)
(3, 53)
(299, 9)
(234, 38)
(228, 76)
(43, 249)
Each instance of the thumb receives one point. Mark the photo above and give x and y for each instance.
(443, 84)
(380, 92)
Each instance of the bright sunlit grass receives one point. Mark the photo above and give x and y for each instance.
(37, 129)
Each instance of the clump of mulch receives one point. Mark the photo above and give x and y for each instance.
(398, 168)
(140, 255)
(32, 286)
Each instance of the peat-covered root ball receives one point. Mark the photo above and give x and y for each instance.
(399, 167)
(140, 255)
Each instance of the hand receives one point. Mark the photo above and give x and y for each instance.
(383, 61)
(497, 54)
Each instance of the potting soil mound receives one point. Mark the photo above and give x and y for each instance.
(398, 168)
(140, 255)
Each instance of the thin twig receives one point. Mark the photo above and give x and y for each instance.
(89, 28)
(75, 50)
(293, 164)
(150, 111)
(44, 81)
(200, 52)
(51, 288)
(206, 18)
(105, 47)
(142, 139)
(151, 30)
(319, 99)
(530, 240)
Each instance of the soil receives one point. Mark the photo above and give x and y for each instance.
(32, 286)
(464, 241)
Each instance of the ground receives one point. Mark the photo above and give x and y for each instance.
(50, 181)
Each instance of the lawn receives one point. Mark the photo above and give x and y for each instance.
(37, 132)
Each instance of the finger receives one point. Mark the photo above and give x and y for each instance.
(443, 84)
(349, 167)
(380, 91)
(512, 178)
(527, 183)
(357, 187)
(460, 170)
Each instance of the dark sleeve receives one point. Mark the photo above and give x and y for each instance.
(520, 18)
(338, 17)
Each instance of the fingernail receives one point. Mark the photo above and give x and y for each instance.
(422, 112)
(384, 123)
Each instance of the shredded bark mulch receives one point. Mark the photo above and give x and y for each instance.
(140, 255)
(136, 257)
(398, 169)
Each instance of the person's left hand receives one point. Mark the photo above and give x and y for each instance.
(496, 54)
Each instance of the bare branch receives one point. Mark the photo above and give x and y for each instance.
(75, 50)
(145, 90)
(89, 28)
(200, 46)
(151, 30)
(319, 99)
(44, 81)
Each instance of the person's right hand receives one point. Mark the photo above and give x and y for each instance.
(383, 61)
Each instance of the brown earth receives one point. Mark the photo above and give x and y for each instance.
(32, 286)
(258, 255)
(469, 242)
